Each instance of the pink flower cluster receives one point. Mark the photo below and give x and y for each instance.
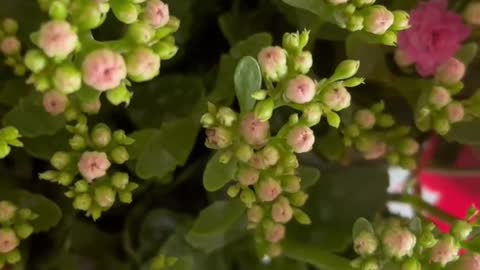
(434, 37)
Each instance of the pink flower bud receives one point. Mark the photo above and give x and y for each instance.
(365, 244)
(157, 13)
(103, 69)
(375, 151)
(472, 13)
(281, 210)
(91, 107)
(218, 138)
(455, 112)
(291, 183)
(270, 155)
(439, 97)
(8, 240)
(398, 242)
(248, 176)
(378, 20)
(10, 45)
(469, 261)
(300, 90)
(409, 147)
(7, 211)
(301, 139)
(54, 102)
(255, 214)
(450, 72)
(337, 98)
(303, 62)
(268, 190)
(445, 251)
(57, 39)
(365, 119)
(142, 65)
(254, 131)
(402, 59)
(273, 62)
(257, 161)
(93, 165)
(275, 233)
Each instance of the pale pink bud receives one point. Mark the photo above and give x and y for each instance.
(472, 13)
(275, 233)
(93, 165)
(268, 190)
(8, 240)
(303, 62)
(440, 97)
(55, 102)
(455, 112)
(10, 45)
(7, 211)
(103, 69)
(255, 214)
(254, 131)
(273, 62)
(300, 90)
(157, 13)
(281, 211)
(470, 261)
(270, 155)
(398, 242)
(410, 147)
(248, 176)
(402, 59)
(375, 151)
(301, 139)
(91, 107)
(378, 20)
(450, 72)
(257, 161)
(365, 243)
(365, 119)
(444, 251)
(337, 98)
(142, 65)
(57, 39)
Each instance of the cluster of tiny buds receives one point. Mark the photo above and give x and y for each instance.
(92, 156)
(356, 15)
(8, 137)
(62, 66)
(10, 46)
(14, 226)
(413, 249)
(374, 134)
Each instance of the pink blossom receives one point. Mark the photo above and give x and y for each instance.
(301, 139)
(54, 102)
(275, 233)
(57, 39)
(10, 45)
(93, 165)
(300, 90)
(254, 131)
(157, 13)
(435, 35)
(268, 190)
(104, 69)
(8, 240)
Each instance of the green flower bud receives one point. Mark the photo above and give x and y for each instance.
(291, 183)
(64, 178)
(60, 160)
(303, 62)
(461, 230)
(142, 64)
(455, 112)
(360, 3)
(244, 152)
(77, 143)
(365, 243)
(82, 202)
(87, 16)
(337, 2)
(105, 196)
(67, 79)
(312, 114)
(9, 133)
(58, 10)
(140, 32)
(264, 109)
(119, 154)
(345, 70)
(7, 211)
(378, 19)
(10, 26)
(101, 135)
(218, 138)
(355, 23)
(445, 250)
(370, 264)
(120, 138)
(120, 180)
(35, 60)
(165, 50)
(81, 186)
(409, 147)
(247, 196)
(23, 230)
(119, 95)
(389, 38)
(291, 41)
(298, 199)
(400, 20)
(301, 217)
(255, 214)
(26, 214)
(125, 12)
(398, 242)
(439, 97)
(303, 38)
(365, 119)
(125, 196)
(4, 149)
(385, 120)
(427, 240)
(226, 116)
(233, 191)
(411, 264)
(354, 81)
(259, 95)
(48, 175)
(441, 125)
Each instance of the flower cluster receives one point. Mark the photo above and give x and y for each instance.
(392, 243)
(14, 227)
(8, 137)
(374, 134)
(92, 156)
(11, 47)
(71, 62)
(364, 15)
(265, 178)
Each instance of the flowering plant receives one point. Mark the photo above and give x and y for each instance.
(190, 135)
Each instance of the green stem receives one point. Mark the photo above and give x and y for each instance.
(422, 207)
(315, 256)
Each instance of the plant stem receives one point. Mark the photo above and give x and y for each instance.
(422, 207)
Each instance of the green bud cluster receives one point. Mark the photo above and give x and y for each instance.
(93, 191)
(15, 225)
(9, 137)
(266, 178)
(375, 134)
(11, 47)
(376, 21)
(162, 262)
(409, 245)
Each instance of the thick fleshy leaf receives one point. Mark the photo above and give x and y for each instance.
(465, 132)
(320, 8)
(361, 225)
(43, 147)
(31, 119)
(251, 46)
(331, 145)
(217, 174)
(248, 79)
(467, 52)
(217, 225)
(12, 91)
(309, 176)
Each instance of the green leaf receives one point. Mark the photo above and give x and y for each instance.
(362, 225)
(333, 119)
(248, 79)
(319, 8)
(217, 225)
(49, 214)
(31, 119)
(183, 263)
(309, 176)
(331, 145)
(43, 147)
(12, 91)
(87, 95)
(179, 138)
(465, 132)
(467, 53)
(251, 46)
(217, 174)
(371, 56)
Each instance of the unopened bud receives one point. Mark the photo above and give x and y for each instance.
(472, 13)
(60, 160)
(303, 62)
(254, 131)
(345, 70)
(337, 98)
(355, 23)
(301, 139)
(119, 154)
(441, 125)
(461, 230)
(125, 12)
(378, 20)
(312, 114)
(10, 26)
(8, 240)
(264, 109)
(23, 230)
(82, 202)
(165, 50)
(255, 214)
(439, 97)
(10, 46)
(104, 196)
(218, 138)
(365, 243)
(445, 251)
(7, 211)
(120, 180)
(248, 176)
(226, 116)
(67, 79)
(402, 59)
(282, 212)
(365, 119)
(233, 191)
(268, 190)
(244, 152)
(450, 72)
(291, 41)
(270, 155)
(101, 135)
(273, 62)
(140, 32)
(409, 147)
(275, 233)
(298, 199)
(119, 95)
(400, 20)
(455, 112)
(35, 60)
(398, 242)
(247, 196)
(300, 89)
